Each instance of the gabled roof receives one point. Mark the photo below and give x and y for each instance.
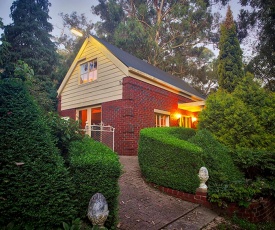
(136, 63)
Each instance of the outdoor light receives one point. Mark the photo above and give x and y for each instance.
(178, 116)
(194, 119)
(77, 32)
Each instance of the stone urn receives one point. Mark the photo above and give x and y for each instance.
(203, 175)
(98, 210)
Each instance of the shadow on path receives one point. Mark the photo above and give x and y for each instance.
(142, 207)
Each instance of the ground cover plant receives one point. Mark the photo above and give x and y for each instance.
(35, 187)
(95, 168)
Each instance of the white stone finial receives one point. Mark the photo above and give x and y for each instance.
(203, 175)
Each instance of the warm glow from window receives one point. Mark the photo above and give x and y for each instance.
(162, 120)
(194, 119)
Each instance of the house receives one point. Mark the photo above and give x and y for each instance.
(106, 84)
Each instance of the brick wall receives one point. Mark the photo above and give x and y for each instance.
(261, 210)
(136, 111)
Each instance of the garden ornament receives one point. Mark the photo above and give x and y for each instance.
(203, 175)
(98, 210)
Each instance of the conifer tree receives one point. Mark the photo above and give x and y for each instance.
(35, 187)
(230, 67)
(29, 40)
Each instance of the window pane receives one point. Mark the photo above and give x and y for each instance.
(84, 68)
(82, 116)
(162, 120)
(84, 78)
(96, 115)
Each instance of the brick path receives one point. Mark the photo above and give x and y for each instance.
(142, 207)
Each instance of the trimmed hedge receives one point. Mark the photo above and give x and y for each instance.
(95, 168)
(217, 159)
(35, 187)
(166, 159)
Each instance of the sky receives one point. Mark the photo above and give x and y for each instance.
(84, 6)
(57, 7)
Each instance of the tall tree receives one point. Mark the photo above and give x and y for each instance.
(30, 41)
(230, 66)
(261, 16)
(166, 34)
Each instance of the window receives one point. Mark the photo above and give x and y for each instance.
(162, 118)
(88, 71)
(92, 115)
(185, 121)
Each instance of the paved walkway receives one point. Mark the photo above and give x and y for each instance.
(142, 207)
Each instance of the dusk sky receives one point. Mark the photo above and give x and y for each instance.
(83, 6)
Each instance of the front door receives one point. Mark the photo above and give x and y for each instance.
(90, 115)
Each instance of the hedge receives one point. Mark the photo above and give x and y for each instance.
(217, 159)
(95, 168)
(35, 187)
(166, 159)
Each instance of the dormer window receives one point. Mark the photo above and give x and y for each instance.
(88, 71)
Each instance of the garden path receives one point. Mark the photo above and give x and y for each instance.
(142, 207)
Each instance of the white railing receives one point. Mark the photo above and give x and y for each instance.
(102, 133)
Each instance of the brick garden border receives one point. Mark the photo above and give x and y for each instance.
(258, 211)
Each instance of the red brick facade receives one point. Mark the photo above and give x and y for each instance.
(136, 111)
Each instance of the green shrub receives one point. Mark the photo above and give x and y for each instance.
(255, 163)
(217, 159)
(95, 168)
(35, 188)
(166, 159)
(65, 132)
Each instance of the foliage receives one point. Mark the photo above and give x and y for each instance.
(217, 159)
(167, 34)
(243, 119)
(95, 168)
(260, 18)
(35, 187)
(241, 192)
(230, 121)
(65, 131)
(256, 163)
(230, 67)
(168, 160)
(29, 40)
(75, 225)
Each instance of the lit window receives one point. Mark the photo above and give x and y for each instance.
(162, 120)
(88, 71)
(185, 121)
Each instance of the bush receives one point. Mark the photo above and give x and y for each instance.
(166, 159)
(242, 119)
(217, 159)
(256, 163)
(35, 188)
(65, 132)
(95, 168)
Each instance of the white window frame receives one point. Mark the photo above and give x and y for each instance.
(89, 113)
(162, 118)
(89, 74)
